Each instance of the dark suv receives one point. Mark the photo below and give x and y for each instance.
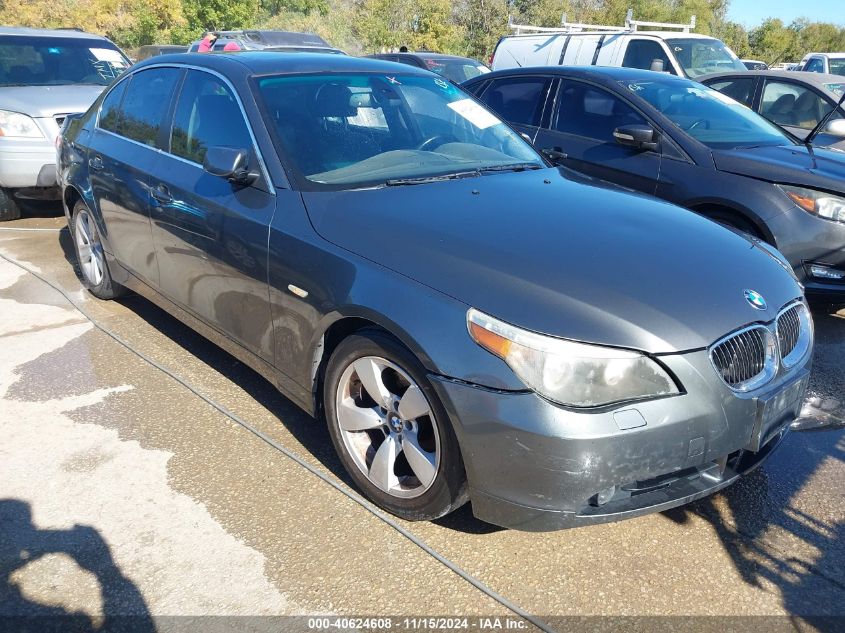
(681, 141)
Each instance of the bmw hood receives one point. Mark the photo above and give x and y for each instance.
(817, 168)
(48, 101)
(551, 255)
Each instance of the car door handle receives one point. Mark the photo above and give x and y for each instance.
(96, 163)
(554, 153)
(162, 194)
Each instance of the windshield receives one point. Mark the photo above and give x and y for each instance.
(41, 61)
(701, 56)
(836, 89)
(837, 66)
(707, 115)
(347, 131)
(457, 70)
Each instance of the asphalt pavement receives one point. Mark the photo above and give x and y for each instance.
(146, 473)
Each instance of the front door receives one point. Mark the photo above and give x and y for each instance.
(211, 235)
(581, 130)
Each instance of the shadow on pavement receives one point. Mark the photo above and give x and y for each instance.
(21, 543)
(811, 591)
(759, 520)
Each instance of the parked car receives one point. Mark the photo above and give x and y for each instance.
(795, 101)
(152, 50)
(287, 41)
(754, 64)
(674, 50)
(44, 76)
(827, 63)
(681, 141)
(472, 323)
(456, 69)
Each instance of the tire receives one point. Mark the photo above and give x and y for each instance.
(377, 444)
(9, 209)
(93, 267)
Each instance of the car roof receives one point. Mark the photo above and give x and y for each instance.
(815, 79)
(605, 74)
(424, 55)
(70, 33)
(276, 62)
(830, 55)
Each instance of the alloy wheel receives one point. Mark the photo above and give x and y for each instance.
(89, 248)
(388, 427)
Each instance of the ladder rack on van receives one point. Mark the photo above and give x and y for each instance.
(631, 25)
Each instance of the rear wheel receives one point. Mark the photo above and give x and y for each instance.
(9, 209)
(390, 430)
(90, 255)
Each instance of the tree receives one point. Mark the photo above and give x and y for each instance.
(483, 22)
(215, 15)
(774, 42)
(417, 24)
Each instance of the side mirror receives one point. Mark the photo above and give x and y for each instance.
(657, 65)
(638, 136)
(229, 163)
(835, 127)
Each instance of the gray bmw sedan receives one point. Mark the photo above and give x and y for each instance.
(471, 323)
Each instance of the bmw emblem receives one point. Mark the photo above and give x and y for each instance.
(755, 299)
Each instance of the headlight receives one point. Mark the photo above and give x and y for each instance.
(570, 373)
(14, 124)
(818, 203)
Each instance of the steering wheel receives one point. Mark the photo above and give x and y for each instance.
(695, 124)
(435, 141)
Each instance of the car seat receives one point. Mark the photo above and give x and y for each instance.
(782, 110)
(806, 111)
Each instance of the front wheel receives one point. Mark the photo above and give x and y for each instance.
(90, 255)
(390, 430)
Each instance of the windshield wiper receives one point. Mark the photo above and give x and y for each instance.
(399, 182)
(510, 167)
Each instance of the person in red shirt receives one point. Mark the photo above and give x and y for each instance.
(207, 43)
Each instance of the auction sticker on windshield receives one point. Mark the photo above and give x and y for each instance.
(474, 113)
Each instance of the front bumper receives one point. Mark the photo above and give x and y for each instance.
(806, 240)
(27, 164)
(535, 466)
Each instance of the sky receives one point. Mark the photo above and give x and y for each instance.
(752, 12)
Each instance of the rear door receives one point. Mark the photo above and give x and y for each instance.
(581, 126)
(210, 235)
(521, 101)
(123, 150)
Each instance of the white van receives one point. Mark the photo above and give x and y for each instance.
(673, 49)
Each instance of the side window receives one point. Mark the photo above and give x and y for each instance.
(518, 100)
(647, 55)
(790, 104)
(145, 104)
(591, 112)
(815, 65)
(110, 109)
(739, 88)
(207, 115)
